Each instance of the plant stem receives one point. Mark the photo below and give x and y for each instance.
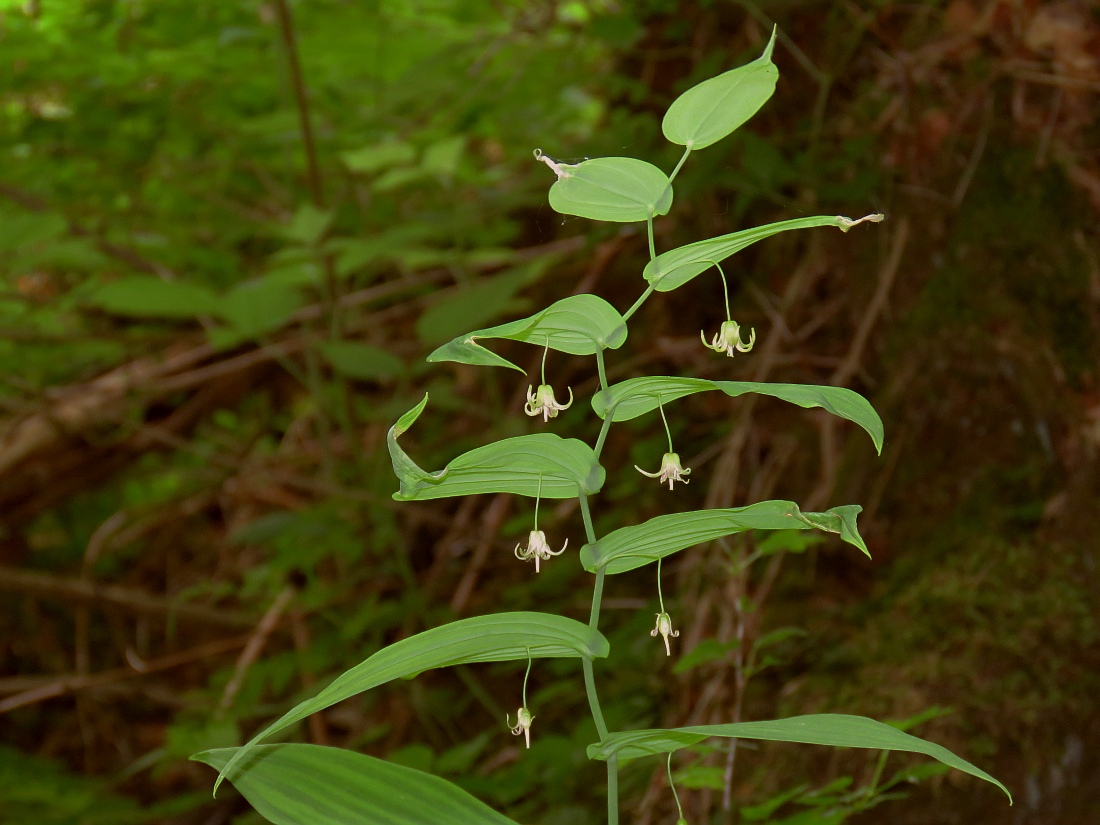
(603, 432)
(538, 497)
(668, 432)
(613, 790)
(286, 29)
(544, 353)
(638, 303)
(652, 245)
(602, 369)
(525, 675)
(683, 159)
(661, 599)
(589, 531)
(725, 289)
(672, 785)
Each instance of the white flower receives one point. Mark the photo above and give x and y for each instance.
(523, 724)
(538, 549)
(728, 339)
(543, 402)
(670, 470)
(664, 627)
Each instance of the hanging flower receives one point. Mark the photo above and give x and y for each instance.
(728, 339)
(671, 470)
(542, 402)
(523, 724)
(538, 549)
(664, 627)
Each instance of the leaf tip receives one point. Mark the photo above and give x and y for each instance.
(767, 55)
(847, 223)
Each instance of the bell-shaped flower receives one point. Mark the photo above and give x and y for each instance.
(728, 339)
(523, 724)
(664, 627)
(538, 549)
(542, 402)
(670, 471)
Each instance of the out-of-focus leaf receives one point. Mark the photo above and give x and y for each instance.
(501, 637)
(145, 297)
(474, 304)
(442, 157)
(313, 785)
(641, 544)
(637, 396)
(624, 190)
(833, 729)
(524, 465)
(308, 224)
(578, 325)
(380, 156)
(257, 307)
(709, 111)
(676, 267)
(708, 650)
(361, 361)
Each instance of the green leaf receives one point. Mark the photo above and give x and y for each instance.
(624, 190)
(379, 156)
(641, 544)
(257, 307)
(709, 111)
(833, 729)
(497, 638)
(678, 266)
(477, 303)
(309, 224)
(145, 297)
(637, 396)
(293, 784)
(361, 361)
(577, 325)
(524, 465)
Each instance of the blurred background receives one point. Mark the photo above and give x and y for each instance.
(230, 233)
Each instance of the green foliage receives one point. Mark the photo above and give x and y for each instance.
(835, 730)
(313, 785)
(543, 464)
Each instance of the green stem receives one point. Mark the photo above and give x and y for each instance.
(660, 598)
(683, 159)
(675, 795)
(603, 432)
(525, 675)
(538, 496)
(593, 699)
(668, 432)
(602, 369)
(725, 288)
(544, 352)
(613, 790)
(586, 514)
(639, 302)
(878, 773)
(652, 245)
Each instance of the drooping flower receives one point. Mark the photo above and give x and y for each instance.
(670, 471)
(728, 339)
(537, 549)
(542, 402)
(664, 627)
(523, 724)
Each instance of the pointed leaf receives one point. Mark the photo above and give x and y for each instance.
(361, 361)
(678, 266)
(706, 113)
(641, 544)
(577, 325)
(637, 396)
(497, 638)
(624, 190)
(836, 730)
(528, 465)
(293, 784)
(146, 297)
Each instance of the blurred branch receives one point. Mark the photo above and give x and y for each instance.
(137, 601)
